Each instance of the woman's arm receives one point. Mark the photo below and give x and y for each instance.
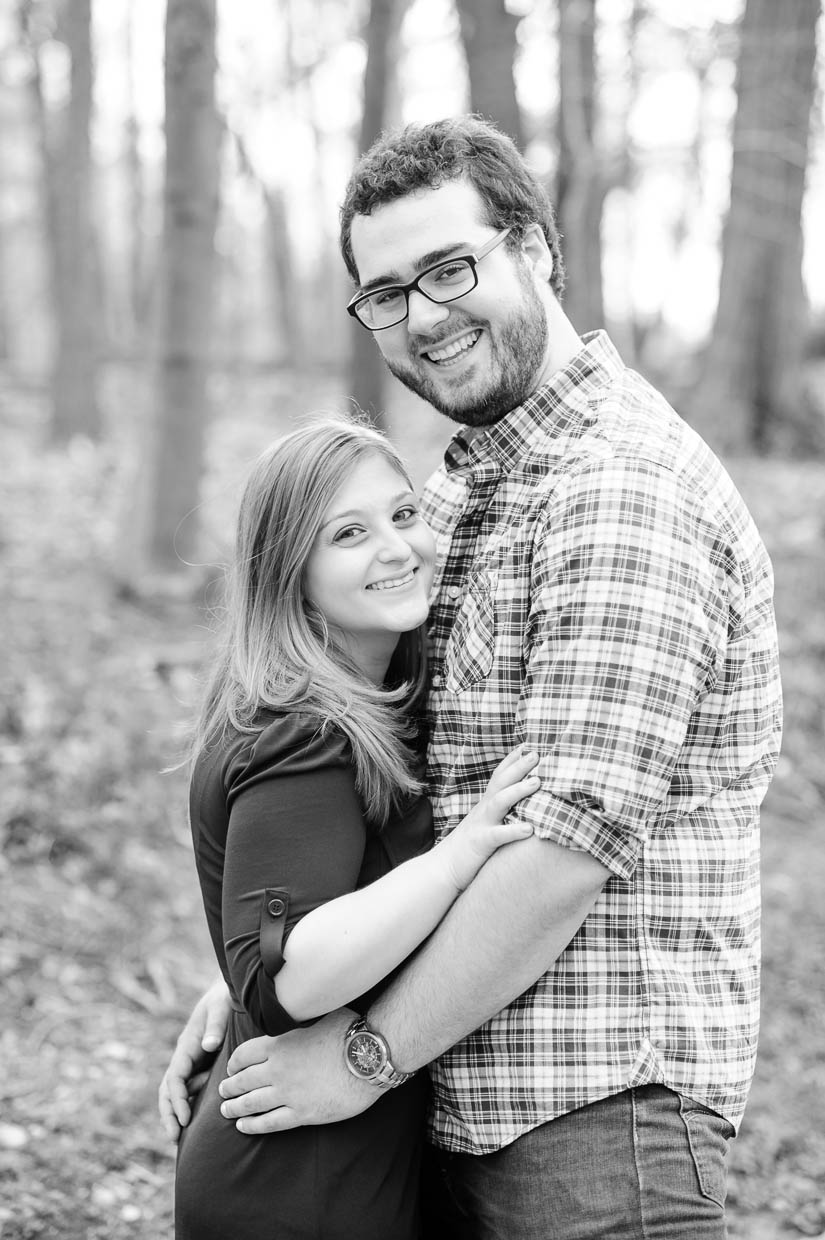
(305, 836)
(344, 947)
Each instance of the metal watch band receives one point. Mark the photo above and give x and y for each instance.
(385, 1077)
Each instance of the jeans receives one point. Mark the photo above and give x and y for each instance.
(645, 1164)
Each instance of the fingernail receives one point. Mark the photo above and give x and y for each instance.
(211, 1043)
(529, 753)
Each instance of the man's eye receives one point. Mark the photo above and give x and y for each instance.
(386, 297)
(451, 273)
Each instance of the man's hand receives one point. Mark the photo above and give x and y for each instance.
(296, 1079)
(199, 1040)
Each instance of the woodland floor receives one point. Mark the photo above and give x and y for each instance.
(102, 943)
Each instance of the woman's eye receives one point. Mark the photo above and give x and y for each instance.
(347, 534)
(407, 513)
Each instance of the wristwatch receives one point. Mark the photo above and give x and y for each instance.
(367, 1056)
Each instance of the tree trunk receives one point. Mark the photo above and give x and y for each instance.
(4, 310)
(581, 183)
(383, 25)
(139, 287)
(284, 282)
(69, 194)
(751, 391)
(187, 269)
(488, 33)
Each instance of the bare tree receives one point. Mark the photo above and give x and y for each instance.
(751, 391)
(284, 279)
(186, 274)
(581, 181)
(139, 292)
(488, 33)
(66, 157)
(383, 25)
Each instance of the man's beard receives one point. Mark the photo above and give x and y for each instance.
(518, 355)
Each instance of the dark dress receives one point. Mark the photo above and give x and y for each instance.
(278, 829)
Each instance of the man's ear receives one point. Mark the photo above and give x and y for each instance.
(537, 252)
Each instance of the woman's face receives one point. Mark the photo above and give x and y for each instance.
(371, 566)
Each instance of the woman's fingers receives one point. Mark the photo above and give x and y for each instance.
(508, 833)
(504, 800)
(511, 769)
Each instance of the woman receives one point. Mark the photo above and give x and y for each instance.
(312, 838)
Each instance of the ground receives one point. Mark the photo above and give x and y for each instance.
(103, 945)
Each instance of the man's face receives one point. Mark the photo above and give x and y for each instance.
(473, 359)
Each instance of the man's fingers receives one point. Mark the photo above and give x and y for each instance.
(255, 1077)
(279, 1120)
(253, 1103)
(248, 1053)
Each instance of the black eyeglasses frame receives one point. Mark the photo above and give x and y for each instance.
(414, 285)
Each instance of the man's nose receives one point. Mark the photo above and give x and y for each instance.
(422, 314)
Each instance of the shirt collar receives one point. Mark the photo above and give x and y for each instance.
(551, 412)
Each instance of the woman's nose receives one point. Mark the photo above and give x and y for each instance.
(394, 546)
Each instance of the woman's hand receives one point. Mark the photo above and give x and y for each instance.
(477, 836)
(199, 1041)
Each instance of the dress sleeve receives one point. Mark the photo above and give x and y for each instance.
(296, 839)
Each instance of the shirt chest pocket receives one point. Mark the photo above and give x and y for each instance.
(469, 656)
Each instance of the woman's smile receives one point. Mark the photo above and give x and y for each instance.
(395, 582)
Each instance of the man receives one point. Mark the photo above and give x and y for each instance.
(588, 1008)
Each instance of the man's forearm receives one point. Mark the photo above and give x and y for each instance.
(503, 932)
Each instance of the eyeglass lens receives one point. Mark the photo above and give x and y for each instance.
(447, 281)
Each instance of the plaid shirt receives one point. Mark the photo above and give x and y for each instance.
(604, 595)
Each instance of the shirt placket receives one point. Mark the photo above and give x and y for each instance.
(483, 480)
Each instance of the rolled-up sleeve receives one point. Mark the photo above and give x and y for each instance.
(294, 842)
(628, 619)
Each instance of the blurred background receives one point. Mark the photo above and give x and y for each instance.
(171, 299)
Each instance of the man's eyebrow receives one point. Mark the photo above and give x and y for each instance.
(426, 260)
(349, 513)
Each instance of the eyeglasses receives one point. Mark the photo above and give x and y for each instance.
(446, 281)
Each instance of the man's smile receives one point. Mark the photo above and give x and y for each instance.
(455, 348)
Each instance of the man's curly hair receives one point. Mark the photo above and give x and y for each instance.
(426, 156)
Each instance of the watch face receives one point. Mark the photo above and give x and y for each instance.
(366, 1054)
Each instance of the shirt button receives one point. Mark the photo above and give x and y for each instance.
(275, 908)
(436, 680)
(454, 591)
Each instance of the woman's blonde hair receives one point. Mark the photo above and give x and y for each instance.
(277, 652)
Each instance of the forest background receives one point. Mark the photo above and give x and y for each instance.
(171, 299)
